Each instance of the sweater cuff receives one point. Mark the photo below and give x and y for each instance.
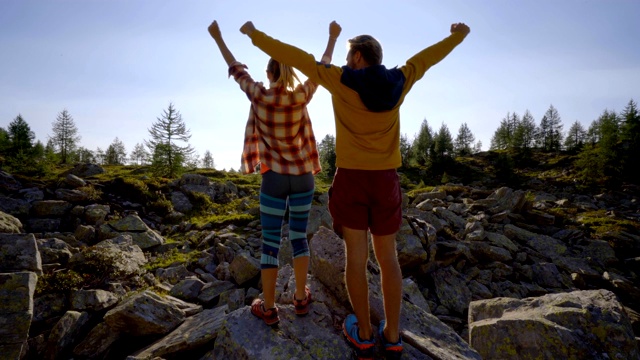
(236, 66)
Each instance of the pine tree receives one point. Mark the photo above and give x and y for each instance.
(550, 134)
(630, 137)
(576, 137)
(207, 160)
(423, 143)
(139, 155)
(478, 147)
(167, 156)
(327, 153)
(405, 150)
(65, 135)
(20, 136)
(504, 136)
(85, 155)
(525, 133)
(101, 157)
(464, 141)
(116, 153)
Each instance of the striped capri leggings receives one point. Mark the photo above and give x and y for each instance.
(276, 193)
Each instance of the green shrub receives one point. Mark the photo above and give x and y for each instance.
(59, 282)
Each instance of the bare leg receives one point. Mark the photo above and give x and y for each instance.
(357, 251)
(269, 277)
(300, 270)
(391, 279)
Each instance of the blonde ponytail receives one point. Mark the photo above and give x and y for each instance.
(283, 75)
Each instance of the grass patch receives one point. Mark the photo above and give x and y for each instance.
(172, 258)
(599, 224)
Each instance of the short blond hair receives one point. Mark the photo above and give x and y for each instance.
(369, 48)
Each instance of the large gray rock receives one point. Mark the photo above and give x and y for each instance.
(9, 224)
(50, 208)
(54, 251)
(96, 213)
(133, 226)
(65, 334)
(328, 261)
(86, 170)
(543, 244)
(93, 299)
(15, 207)
(71, 195)
(16, 310)
(194, 333)
(243, 336)
(19, 252)
(576, 325)
(411, 253)
(98, 343)
(145, 313)
(244, 267)
(452, 290)
(119, 255)
(8, 183)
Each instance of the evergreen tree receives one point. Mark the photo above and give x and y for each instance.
(65, 135)
(593, 133)
(4, 146)
(550, 134)
(478, 147)
(576, 137)
(101, 157)
(600, 163)
(423, 143)
(405, 150)
(525, 133)
(20, 136)
(442, 152)
(630, 127)
(139, 155)
(207, 160)
(630, 137)
(504, 136)
(85, 155)
(327, 153)
(167, 156)
(116, 153)
(464, 141)
(50, 152)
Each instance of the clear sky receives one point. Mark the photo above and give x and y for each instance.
(115, 65)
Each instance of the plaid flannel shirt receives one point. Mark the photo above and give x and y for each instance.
(278, 132)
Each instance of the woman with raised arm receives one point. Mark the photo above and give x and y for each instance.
(279, 138)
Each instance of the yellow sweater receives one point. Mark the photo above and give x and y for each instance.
(365, 140)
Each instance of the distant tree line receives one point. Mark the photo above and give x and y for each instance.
(604, 150)
(167, 151)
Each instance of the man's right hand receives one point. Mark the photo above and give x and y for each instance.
(460, 28)
(334, 30)
(247, 28)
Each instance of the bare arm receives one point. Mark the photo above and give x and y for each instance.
(214, 30)
(334, 32)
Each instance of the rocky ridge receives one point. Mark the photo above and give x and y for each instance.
(488, 274)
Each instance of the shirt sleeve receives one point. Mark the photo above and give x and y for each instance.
(247, 84)
(417, 65)
(326, 75)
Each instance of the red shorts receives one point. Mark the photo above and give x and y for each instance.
(366, 199)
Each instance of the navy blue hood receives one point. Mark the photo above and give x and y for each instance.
(379, 88)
